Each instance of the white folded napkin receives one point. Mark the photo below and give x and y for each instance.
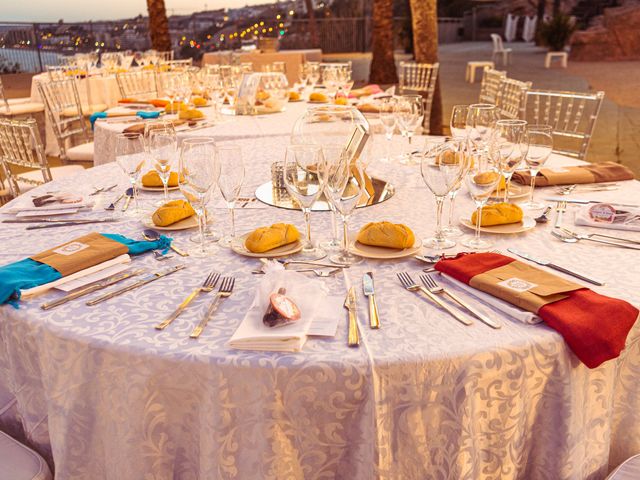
(30, 292)
(505, 307)
(583, 218)
(310, 298)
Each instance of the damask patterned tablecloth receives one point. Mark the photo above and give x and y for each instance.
(108, 397)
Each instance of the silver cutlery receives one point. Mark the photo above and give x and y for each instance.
(410, 285)
(546, 263)
(586, 202)
(353, 337)
(70, 223)
(207, 286)
(226, 287)
(544, 217)
(561, 207)
(129, 194)
(434, 288)
(90, 289)
(151, 236)
(587, 236)
(145, 280)
(369, 292)
(569, 238)
(112, 205)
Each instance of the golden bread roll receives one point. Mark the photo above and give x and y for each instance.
(498, 214)
(152, 179)
(264, 239)
(318, 97)
(190, 114)
(386, 234)
(172, 212)
(199, 101)
(294, 96)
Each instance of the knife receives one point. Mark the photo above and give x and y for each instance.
(90, 289)
(369, 291)
(350, 305)
(586, 202)
(70, 223)
(555, 267)
(148, 279)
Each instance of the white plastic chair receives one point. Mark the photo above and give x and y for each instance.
(627, 470)
(66, 115)
(490, 85)
(498, 49)
(419, 78)
(572, 115)
(19, 462)
(511, 99)
(20, 148)
(141, 85)
(18, 107)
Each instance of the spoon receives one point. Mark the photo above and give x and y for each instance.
(129, 194)
(151, 236)
(543, 218)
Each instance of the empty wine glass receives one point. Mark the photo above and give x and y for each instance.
(508, 146)
(409, 110)
(230, 182)
(540, 147)
(388, 119)
(162, 145)
(198, 173)
(343, 189)
(131, 157)
(304, 179)
(481, 180)
(441, 167)
(458, 122)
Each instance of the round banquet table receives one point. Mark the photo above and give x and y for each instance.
(104, 395)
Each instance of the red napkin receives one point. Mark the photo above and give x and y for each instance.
(594, 326)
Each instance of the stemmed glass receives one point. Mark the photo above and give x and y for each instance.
(198, 173)
(230, 182)
(481, 179)
(343, 189)
(540, 147)
(163, 151)
(388, 120)
(131, 157)
(508, 146)
(304, 176)
(442, 167)
(409, 110)
(458, 122)
(332, 154)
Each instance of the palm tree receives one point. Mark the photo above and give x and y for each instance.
(424, 21)
(158, 25)
(383, 67)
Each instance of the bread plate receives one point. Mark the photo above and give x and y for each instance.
(527, 223)
(237, 245)
(184, 224)
(383, 253)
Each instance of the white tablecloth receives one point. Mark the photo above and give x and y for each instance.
(108, 397)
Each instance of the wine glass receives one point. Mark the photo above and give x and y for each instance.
(343, 189)
(198, 173)
(481, 120)
(458, 122)
(163, 151)
(508, 146)
(131, 157)
(441, 167)
(304, 180)
(332, 154)
(230, 182)
(388, 119)
(481, 180)
(540, 147)
(409, 110)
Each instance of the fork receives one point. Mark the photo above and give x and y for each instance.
(433, 287)
(410, 285)
(226, 287)
(207, 286)
(561, 207)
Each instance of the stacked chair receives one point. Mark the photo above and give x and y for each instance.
(419, 78)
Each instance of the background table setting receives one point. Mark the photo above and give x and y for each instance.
(114, 390)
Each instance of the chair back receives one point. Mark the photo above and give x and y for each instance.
(142, 84)
(572, 115)
(497, 43)
(21, 147)
(490, 85)
(512, 98)
(62, 104)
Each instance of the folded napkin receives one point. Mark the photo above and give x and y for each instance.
(67, 259)
(593, 173)
(144, 114)
(252, 334)
(595, 327)
(630, 223)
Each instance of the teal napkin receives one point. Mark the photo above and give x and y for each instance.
(28, 273)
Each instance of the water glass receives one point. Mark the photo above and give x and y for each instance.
(540, 148)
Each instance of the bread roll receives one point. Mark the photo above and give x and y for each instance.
(172, 212)
(152, 179)
(498, 214)
(386, 234)
(264, 239)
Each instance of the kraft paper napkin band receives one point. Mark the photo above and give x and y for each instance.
(81, 253)
(523, 285)
(593, 173)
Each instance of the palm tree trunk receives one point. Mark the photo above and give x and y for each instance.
(313, 25)
(424, 19)
(383, 67)
(158, 25)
